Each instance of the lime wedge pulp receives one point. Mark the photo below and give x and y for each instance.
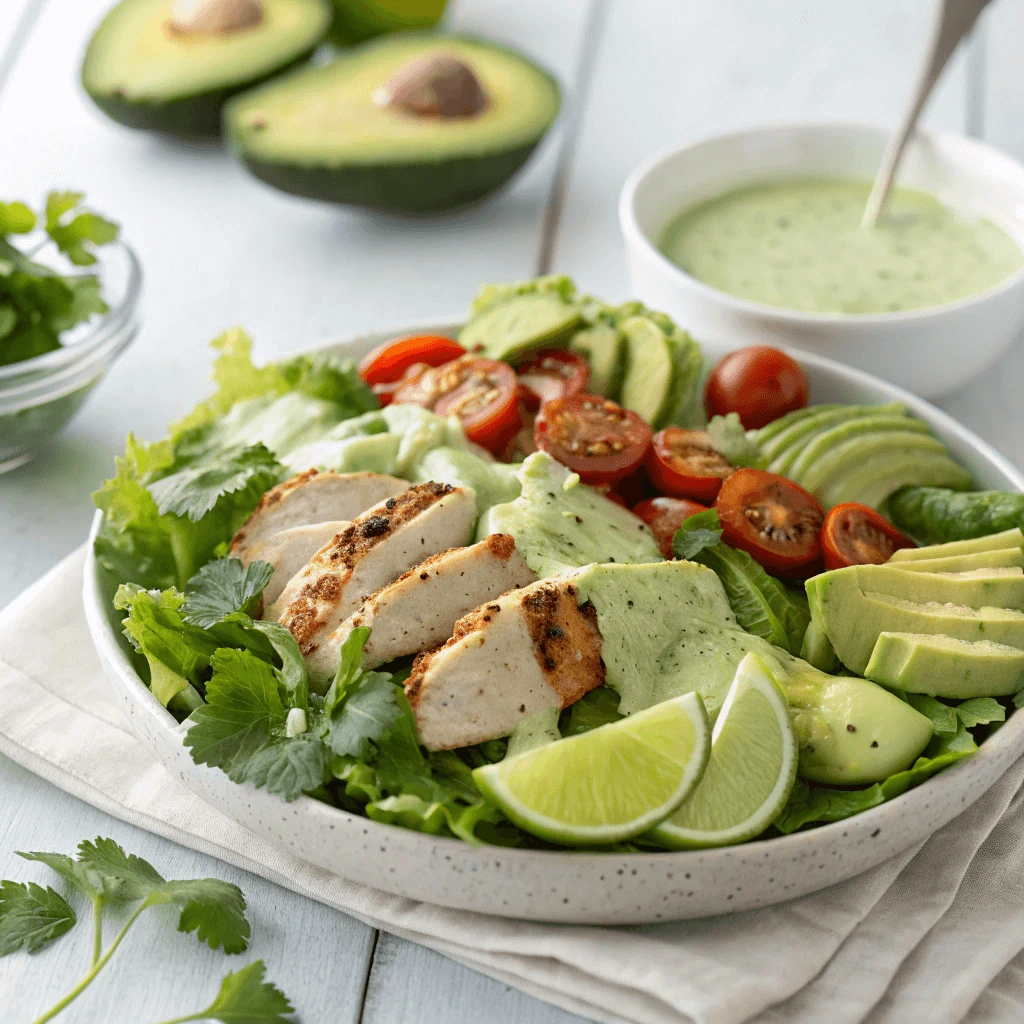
(609, 784)
(751, 771)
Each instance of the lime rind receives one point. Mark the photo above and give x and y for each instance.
(753, 718)
(610, 784)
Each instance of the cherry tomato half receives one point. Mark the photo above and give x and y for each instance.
(664, 516)
(388, 362)
(593, 436)
(483, 393)
(773, 519)
(760, 383)
(552, 373)
(855, 534)
(683, 464)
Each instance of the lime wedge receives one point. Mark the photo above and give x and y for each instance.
(751, 771)
(609, 784)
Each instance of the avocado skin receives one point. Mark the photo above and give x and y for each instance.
(412, 188)
(188, 117)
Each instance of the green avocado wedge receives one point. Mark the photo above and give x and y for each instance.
(993, 542)
(984, 588)
(338, 132)
(942, 666)
(143, 73)
(1001, 558)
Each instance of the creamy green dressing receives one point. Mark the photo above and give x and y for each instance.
(799, 244)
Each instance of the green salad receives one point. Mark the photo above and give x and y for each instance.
(544, 584)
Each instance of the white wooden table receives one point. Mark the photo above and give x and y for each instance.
(219, 249)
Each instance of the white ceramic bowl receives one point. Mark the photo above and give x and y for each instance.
(572, 887)
(927, 351)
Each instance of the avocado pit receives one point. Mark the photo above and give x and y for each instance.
(213, 17)
(434, 85)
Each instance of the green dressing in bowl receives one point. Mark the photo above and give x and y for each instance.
(799, 244)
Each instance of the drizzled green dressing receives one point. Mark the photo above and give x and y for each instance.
(799, 244)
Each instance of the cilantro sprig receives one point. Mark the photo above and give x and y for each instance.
(37, 303)
(32, 917)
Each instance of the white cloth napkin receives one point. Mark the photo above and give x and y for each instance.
(931, 935)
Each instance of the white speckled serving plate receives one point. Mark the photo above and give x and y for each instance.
(571, 887)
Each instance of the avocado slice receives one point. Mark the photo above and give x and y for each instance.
(559, 523)
(647, 384)
(993, 542)
(667, 629)
(1004, 558)
(382, 126)
(147, 71)
(942, 666)
(853, 618)
(512, 327)
(816, 649)
(909, 461)
(984, 588)
(604, 349)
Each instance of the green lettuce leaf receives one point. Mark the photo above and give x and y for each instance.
(935, 515)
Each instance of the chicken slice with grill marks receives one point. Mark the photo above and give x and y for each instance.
(313, 497)
(533, 648)
(420, 608)
(376, 548)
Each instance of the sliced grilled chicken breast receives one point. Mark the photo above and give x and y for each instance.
(313, 497)
(420, 608)
(530, 649)
(376, 548)
(287, 552)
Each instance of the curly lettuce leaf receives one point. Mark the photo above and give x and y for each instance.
(490, 294)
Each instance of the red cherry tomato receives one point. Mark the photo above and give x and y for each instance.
(550, 374)
(683, 464)
(855, 534)
(773, 519)
(664, 516)
(593, 436)
(388, 362)
(760, 383)
(483, 393)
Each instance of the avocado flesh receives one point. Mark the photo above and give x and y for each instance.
(1004, 558)
(511, 327)
(942, 666)
(319, 133)
(647, 383)
(560, 524)
(980, 589)
(871, 482)
(603, 347)
(853, 618)
(144, 76)
(652, 653)
(993, 542)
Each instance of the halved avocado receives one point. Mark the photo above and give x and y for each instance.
(145, 70)
(418, 124)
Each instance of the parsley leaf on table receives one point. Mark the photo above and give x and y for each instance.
(245, 998)
(31, 916)
(223, 587)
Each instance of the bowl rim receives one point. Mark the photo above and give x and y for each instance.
(113, 655)
(106, 330)
(987, 157)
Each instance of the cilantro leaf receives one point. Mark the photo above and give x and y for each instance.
(980, 711)
(292, 673)
(194, 491)
(213, 909)
(223, 587)
(245, 998)
(31, 916)
(75, 236)
(287, 768)
(697, 532)
(125, 877)
(88, 883)
(369, 709)
(16, 219)
(243, 711)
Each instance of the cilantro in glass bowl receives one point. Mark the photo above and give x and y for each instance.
(68, 296)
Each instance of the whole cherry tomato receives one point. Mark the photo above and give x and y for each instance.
(759, 383)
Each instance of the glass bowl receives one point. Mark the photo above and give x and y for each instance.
(39, 396)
